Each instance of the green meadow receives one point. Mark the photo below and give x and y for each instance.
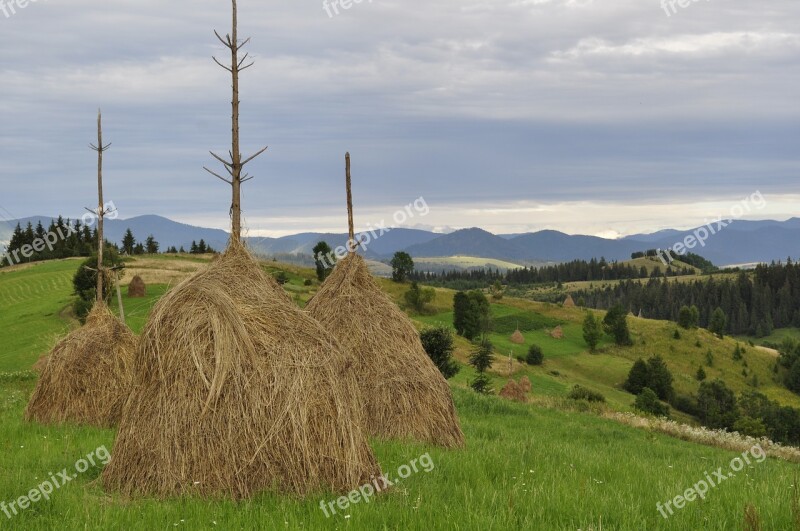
(526, 466)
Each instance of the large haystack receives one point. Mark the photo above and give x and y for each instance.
(513, 391)
(87, 377)
(568, 302)
(137, 288)
(405, 395)
(517, 337)
(237, 391)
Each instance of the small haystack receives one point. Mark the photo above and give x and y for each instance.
(517, 337)
(237, 391)
(568, 302)
(87, 377)
(513, 391)
(557, 333)
(41, 363)
(525, 384)
(405, 394)
(137, 288)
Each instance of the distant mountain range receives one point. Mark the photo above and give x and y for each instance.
(738, 243)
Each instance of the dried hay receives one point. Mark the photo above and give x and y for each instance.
(568, 302)
(41, 363)
(525, 384)
(517, 338)
(237, 391)
(405, 394)
(557, 333)
(87, 377)
(137, 288)
(513, 391)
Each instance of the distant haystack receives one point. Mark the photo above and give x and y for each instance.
(87, 377)
(513, 391)
(41, 363)
(525, 384)
(517, 337)
(236, 391)
(137, 288)
(405, 394)
(568, 302)
(557, 333)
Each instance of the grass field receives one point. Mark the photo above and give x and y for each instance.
(525, 466)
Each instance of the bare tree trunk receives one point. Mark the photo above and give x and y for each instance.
(351, 243)
(100, 149)
(235, 165)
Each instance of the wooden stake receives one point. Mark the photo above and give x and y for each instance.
(235, 165)
(351, 243)
(100, 149)
(119, 298)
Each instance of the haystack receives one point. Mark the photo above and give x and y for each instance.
(517, 337)
(236, 391)
(525, 384)
(41, 363)
(557, 333)
(513, 391)
(137, 288)
(568, 302)
(405, 394)
(87, 377)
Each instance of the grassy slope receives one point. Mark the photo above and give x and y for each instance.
(584, 469)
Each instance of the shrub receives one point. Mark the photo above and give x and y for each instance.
(751, 427)
(685, 404)
(648, 402)
(581, 393)
(676, 334)
(438, 343)
(535, 355)
(701, 374)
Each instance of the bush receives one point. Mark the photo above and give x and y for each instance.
(438, 343)
(308, 282)
(648, 402)
(535, 355)
(581, 393)
(751, 427)
(676, 334)
(685, 404)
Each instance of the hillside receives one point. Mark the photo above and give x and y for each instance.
(526, 466)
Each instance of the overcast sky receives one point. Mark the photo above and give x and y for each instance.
(600, 117)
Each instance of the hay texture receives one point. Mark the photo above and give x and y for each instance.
(137, 288)
(87, 377)
(517, 338)
(41, 363)
(513, 391)
(525, 384)
(405, 394)
(236, 391)
(557, 333)
(568, 302)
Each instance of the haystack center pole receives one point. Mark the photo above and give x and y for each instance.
(351, 243)
(234, 164)
(100, 149)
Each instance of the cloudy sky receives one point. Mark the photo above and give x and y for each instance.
(588, 116)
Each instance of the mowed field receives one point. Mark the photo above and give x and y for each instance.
(525, 466)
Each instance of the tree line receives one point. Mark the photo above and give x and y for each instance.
(574, 271)
(753, 304)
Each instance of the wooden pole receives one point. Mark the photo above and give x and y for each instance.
(351, 243)
(235, 165)
(100, 149)
(119, 298)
